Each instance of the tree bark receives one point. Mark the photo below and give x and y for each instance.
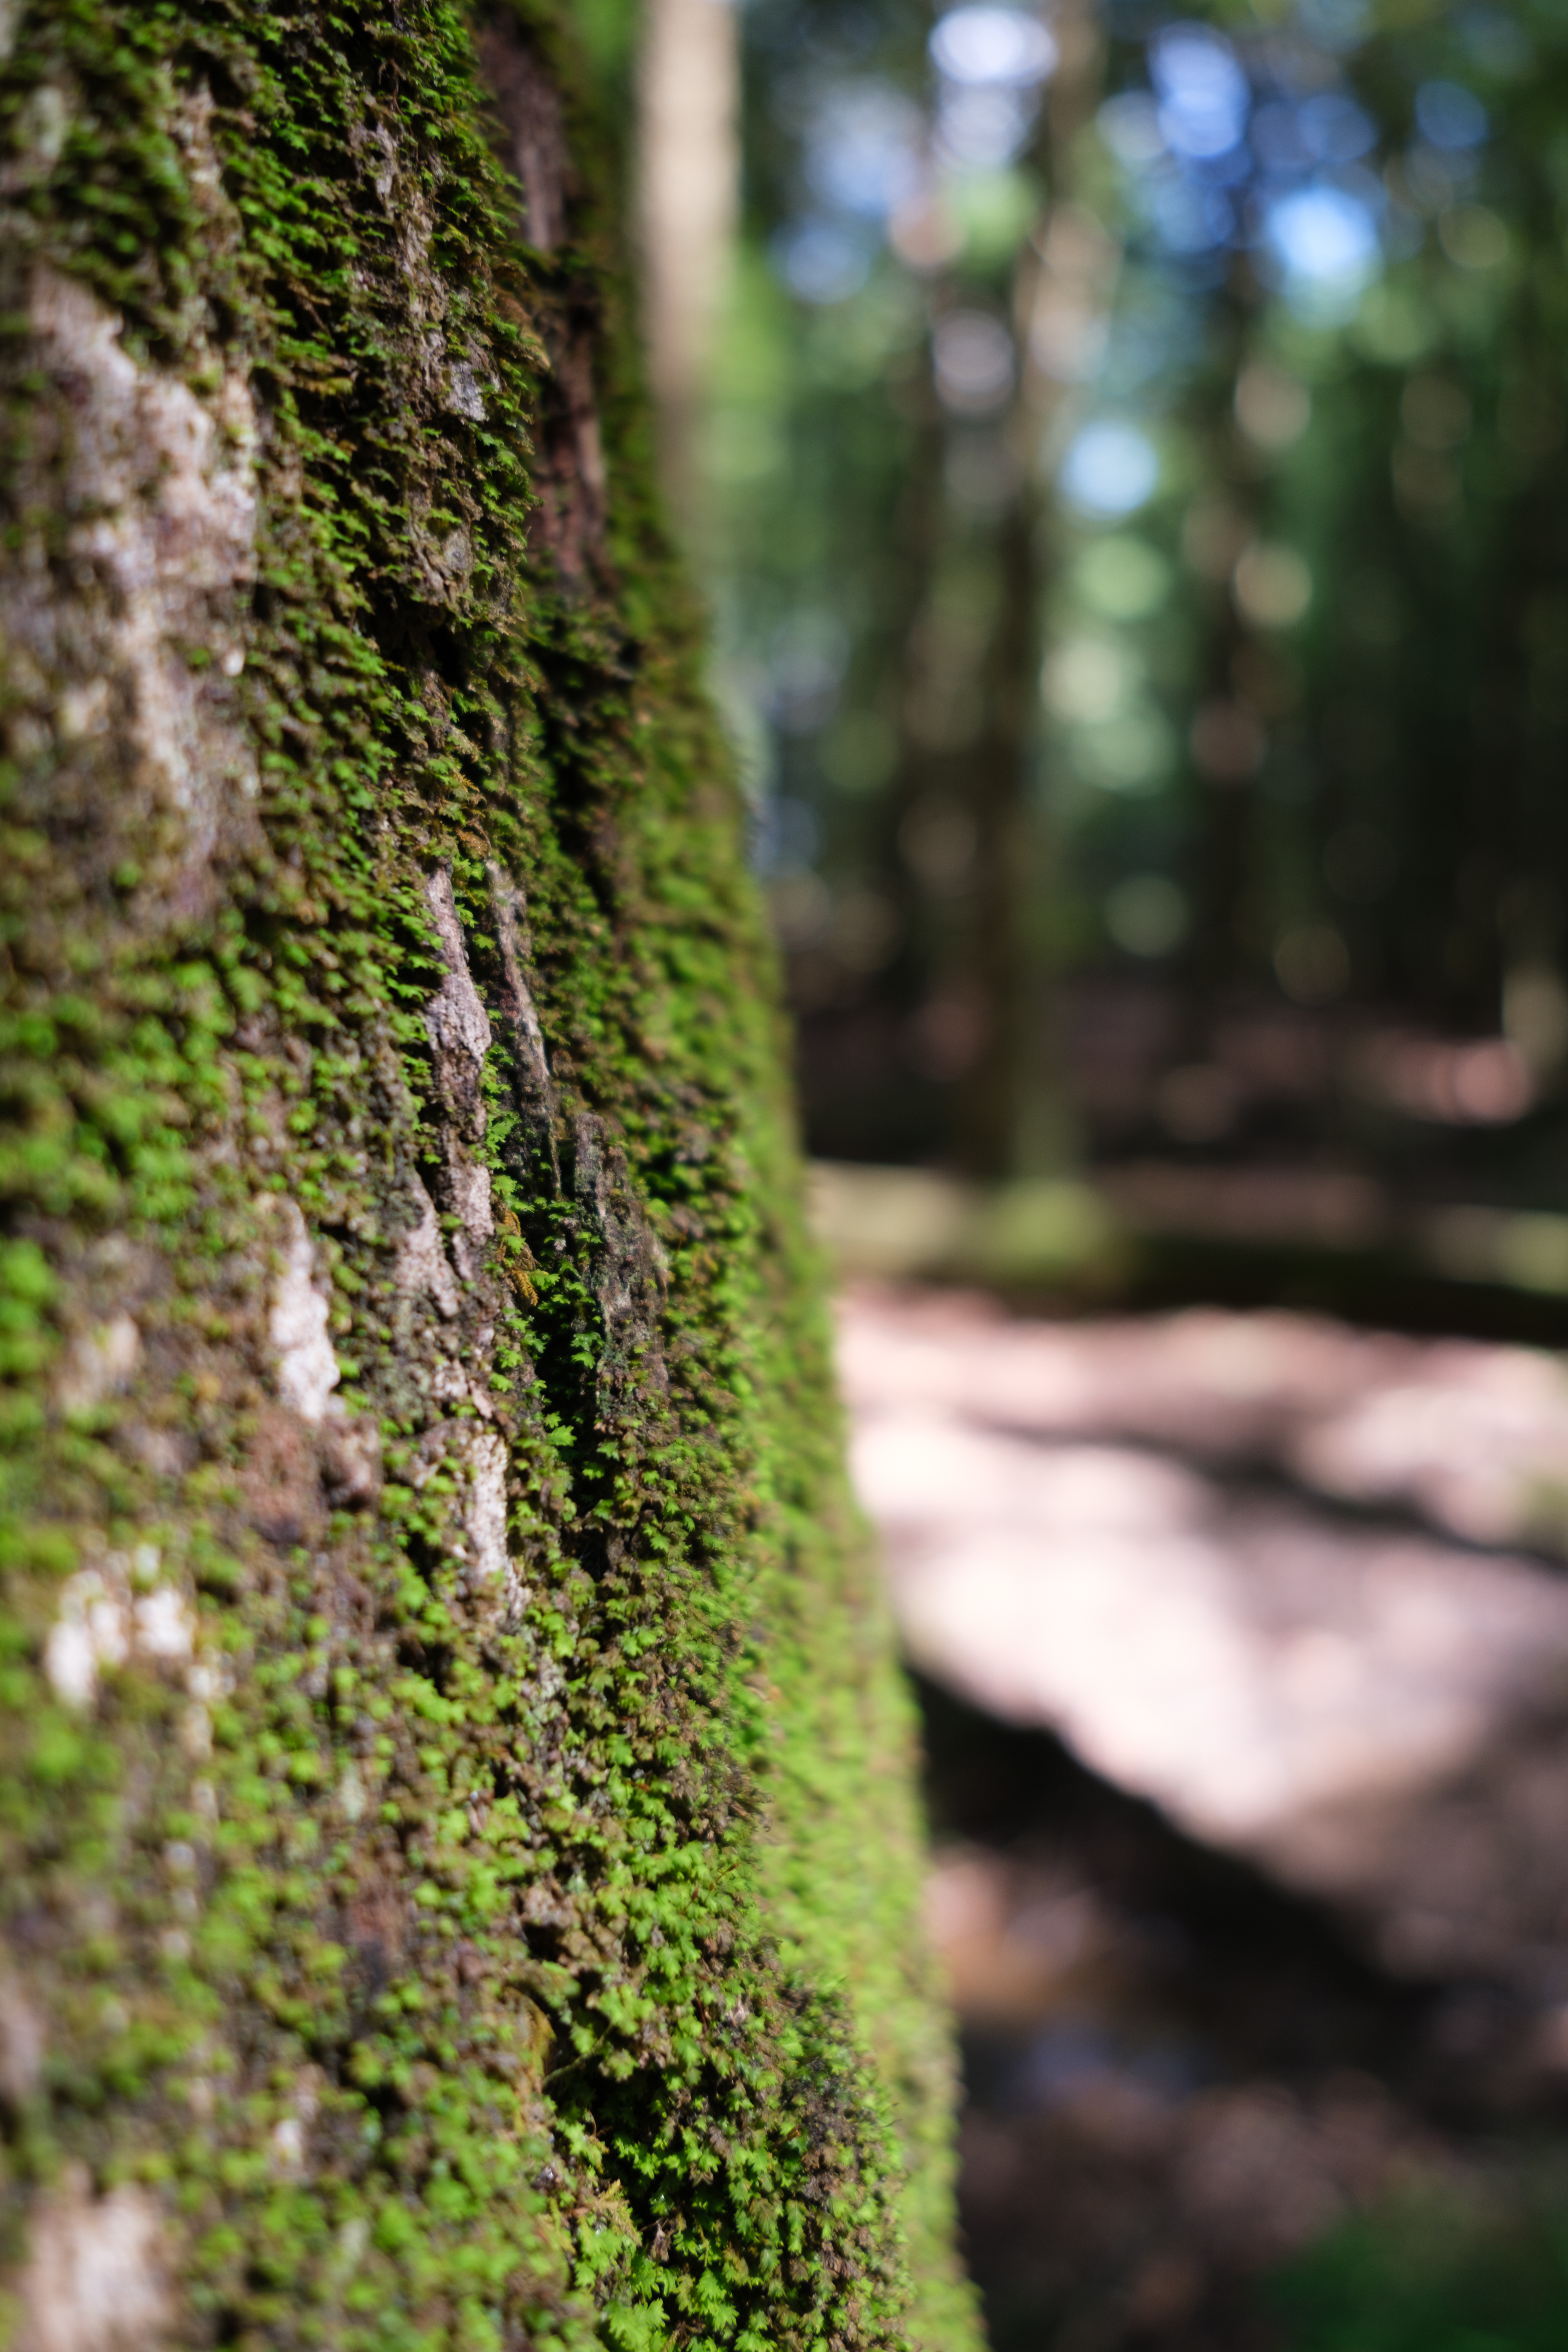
(457, 1843)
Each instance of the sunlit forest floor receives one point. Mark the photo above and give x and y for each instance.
(1242, 1648)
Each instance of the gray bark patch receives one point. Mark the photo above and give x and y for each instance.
(531, 111)
(458, 1029)
(422, 1263)
(631, 1272)
(532, 1084)
(97, 1364)
(454, 1018)
(124, 632)
(21, 2044)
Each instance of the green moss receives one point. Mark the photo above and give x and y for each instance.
(458, 1975)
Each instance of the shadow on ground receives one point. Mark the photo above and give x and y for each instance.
(1176, 2074)
(1180, 2076)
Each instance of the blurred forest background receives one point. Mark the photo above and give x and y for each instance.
(1135, 501)
(1125, 450)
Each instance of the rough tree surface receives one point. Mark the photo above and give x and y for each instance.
(457, 1852)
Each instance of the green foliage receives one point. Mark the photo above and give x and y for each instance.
(457, 1976)
(1435, 2276)
(607, 31)
(1290, 719)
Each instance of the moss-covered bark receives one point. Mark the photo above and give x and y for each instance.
(457, 1852)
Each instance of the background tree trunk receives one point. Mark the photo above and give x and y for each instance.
(458, 1852)
(688, 188)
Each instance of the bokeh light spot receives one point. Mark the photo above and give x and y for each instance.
(1451, 115)
(1109, 469)
(988, 44)
(1273, 586)
(821, 262)
(1086, 680)
(1204, 94)
(1147, 915)
(973, 356)
(1325, 236)
(1123, 579)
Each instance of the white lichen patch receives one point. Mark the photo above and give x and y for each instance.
(452, 1385)
(96, 2276)
(161, 1622)
(307, 1369)
(292, 2131)
(484, 1521)
(101, 1624)
(350, 1794)
(91, 1632)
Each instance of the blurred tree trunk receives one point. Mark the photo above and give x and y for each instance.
(457, 1847)
(1012, 1117)
(688, 180)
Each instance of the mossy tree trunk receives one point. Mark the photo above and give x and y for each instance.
(457, 1850)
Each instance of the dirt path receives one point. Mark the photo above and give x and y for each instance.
(1245, 1651)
